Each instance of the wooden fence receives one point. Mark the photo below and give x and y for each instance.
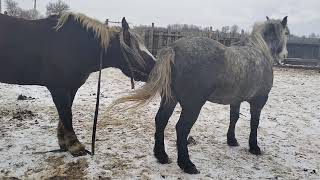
(303, 53)
(156, 39)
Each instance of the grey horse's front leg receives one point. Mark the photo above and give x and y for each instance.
(256, 106)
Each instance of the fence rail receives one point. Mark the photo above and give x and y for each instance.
(302, 62)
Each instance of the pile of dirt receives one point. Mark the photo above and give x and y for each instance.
(23, 114)
(24, 98)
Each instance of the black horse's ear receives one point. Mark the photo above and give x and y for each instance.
(125, 25)
(267, 18)
(126, 33)
(284, 21)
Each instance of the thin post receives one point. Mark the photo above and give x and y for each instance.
(35, 5)
(151, 38)
(160, 41)
(210, 32)
(0, 7)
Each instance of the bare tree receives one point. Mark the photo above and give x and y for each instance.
(314, 35)
(14, 10)
(57, 7)
(225, 29)
(234, 29)
(30, 14)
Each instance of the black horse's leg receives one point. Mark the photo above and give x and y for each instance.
(188, 117)
(63, 101)
(60, 129)
(234, 116)
(162, 117)
(60, 134)
(256, 106)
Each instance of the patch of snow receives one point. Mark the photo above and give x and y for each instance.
(288, 135)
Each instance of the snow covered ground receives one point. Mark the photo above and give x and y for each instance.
(289, 135)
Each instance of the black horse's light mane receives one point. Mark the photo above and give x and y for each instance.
(104, 33)
(101, 31)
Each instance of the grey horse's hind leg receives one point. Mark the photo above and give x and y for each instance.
(234, 116)
(188, 117)
(162, 117)
(256, 106)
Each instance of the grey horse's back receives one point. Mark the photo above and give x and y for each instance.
(205, 66)
(197, 51)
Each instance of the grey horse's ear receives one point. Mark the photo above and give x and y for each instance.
(284, 21)
(267, 18)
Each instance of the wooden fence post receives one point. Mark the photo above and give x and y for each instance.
(160, 40)
(151, 34)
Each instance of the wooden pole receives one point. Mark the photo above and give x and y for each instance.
(151, 38)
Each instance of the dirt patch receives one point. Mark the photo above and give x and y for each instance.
(71, 170)
(24, 98)
(24, 114)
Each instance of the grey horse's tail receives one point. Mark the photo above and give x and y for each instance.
(159, 82)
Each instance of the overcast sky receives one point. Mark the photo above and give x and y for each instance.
(303, 15)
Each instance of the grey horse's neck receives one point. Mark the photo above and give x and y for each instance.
(256, 41)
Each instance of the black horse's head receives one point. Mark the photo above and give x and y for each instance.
(132, 57)
(275, 34)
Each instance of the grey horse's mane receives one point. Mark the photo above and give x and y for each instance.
(256, 40)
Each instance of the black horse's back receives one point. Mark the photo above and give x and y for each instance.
(32, 52)
(22, 49)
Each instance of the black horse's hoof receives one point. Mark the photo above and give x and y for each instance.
(189, 168)
(162, 158)
(63, 147)
(233, 142)
(255, 151)
(77, 149)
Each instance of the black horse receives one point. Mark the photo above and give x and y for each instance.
(60, 52)
(192, 71)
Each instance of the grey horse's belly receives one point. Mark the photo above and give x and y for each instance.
(244, 77)
(239, 91)
(230, 96)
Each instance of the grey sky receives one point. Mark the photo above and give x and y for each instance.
(303, 15)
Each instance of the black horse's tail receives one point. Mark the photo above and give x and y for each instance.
(159, 82)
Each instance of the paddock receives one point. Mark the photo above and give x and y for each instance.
(289, 134)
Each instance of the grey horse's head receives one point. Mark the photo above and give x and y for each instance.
(275, 34)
